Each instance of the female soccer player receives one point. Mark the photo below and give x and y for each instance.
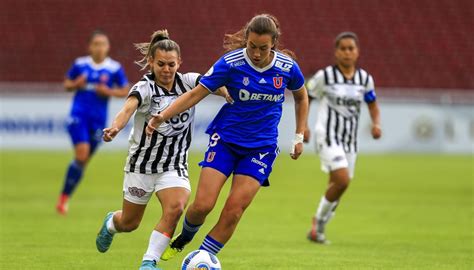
(243, 135)
(157, 164)
(340, 89)
(94, 79)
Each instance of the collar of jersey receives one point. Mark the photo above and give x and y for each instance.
(96, 66)
(261, 70)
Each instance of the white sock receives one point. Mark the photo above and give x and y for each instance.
(325, 208)
(111, 226)
(156, 247)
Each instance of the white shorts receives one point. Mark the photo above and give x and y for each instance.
(334, 157)
(138, 188)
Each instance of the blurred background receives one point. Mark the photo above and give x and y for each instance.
(419, 52)
(411, 206)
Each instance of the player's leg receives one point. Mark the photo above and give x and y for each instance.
(217, 165)
(333, 161)
(126, 220)
(209, 187)
(137, 189)
(172, 190)
(78, 132)
(243, 190)
(252, 171)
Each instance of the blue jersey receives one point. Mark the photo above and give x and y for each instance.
(87, 103)
(258, 93)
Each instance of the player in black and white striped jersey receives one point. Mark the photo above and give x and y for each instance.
(340, 89)
(155, 164)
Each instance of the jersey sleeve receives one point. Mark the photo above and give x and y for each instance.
(74, 71)
(192, 79)
(369, 95)
(217, 76)
(141, 91)
(315, 85)
(120, 79)
(297, 78)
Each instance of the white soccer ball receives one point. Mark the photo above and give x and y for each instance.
(200, 260)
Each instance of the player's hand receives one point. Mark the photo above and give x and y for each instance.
(103, 90)
(306, 135)
(109, 134)
(376, 132)
(297, 146)
(226, 95)
(81, 82)
(296, 151)
(154, 122)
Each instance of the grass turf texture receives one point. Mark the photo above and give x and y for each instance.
(401, 212)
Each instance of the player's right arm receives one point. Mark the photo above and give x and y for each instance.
(121, 119)
(74, 78)
(315, 88)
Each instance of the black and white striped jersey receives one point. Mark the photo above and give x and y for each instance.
(339, 105)
(167, 148)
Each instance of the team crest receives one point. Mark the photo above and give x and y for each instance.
(278, 82)
(246, 81)
(210, 156)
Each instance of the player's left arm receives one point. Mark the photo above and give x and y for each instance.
(375, 116)
(371, 99)
(301, 112)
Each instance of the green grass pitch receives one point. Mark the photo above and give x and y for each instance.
(401, 212)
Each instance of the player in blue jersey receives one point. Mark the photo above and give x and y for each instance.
(243, 135)
(94, 79)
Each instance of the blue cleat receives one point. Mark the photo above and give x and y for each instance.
(104, 237)
(148, 265)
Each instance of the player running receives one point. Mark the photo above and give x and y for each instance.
(243, 136)
(340, 89)
(158, 164)
(94, 79)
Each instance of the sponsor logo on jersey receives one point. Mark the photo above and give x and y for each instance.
(245, 95)
(260, 163)
(283, 66)
(246, 81)
(262, 81)
(278, 82)
(238, 63)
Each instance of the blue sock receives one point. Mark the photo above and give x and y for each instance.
(189, 230)
(73, 177)
(211, 245)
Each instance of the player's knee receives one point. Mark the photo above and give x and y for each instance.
(342, 184)
(232, 214)
(201, 208)
(82, 159)
(174, 211)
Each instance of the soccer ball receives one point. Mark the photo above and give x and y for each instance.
(200, 260)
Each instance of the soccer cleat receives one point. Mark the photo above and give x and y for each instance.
(62, 206)
(148, 265)
(316, 234)
(104, 237)
(176, 246)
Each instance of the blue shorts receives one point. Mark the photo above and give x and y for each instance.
(230, 158)
(82, 130)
